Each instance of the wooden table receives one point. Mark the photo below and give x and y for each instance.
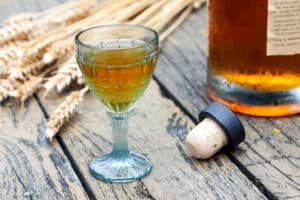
(266, 165)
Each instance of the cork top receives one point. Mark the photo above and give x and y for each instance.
(228, 121)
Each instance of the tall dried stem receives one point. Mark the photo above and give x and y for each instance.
(64, 112)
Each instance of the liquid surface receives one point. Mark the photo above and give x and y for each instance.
(120, 74)
(237, 48)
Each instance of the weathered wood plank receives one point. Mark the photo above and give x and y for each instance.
(273, 159)
(139, 189)
(158, 129)
(31, 168)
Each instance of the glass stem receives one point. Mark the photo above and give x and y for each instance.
(119, 123)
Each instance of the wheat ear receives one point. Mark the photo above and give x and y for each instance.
(65, 75)
(6, 85)
(64, 112)
(26, 68)
(20, 18)
(38, 45)
(6, 57)
(58, 49)
(167, 13)
(30, 86)
(72, 15)
(39, 55)
(23, 28)
(15, 32)
(27, 89)
(70, 72)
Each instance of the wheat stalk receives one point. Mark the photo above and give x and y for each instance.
(20, 18)
(27, 68)
(62, 8)
(70, 72)
(58, 49)
(27, 89)
(23, 29)
(132, 10)
(176, 24)
(28, 56)
(6, 57)
(34, 50)
(98, 18)
(29, 86)
(42, 49)
(31, 59)
(15, 32)
(148, 13)
(37, 46)
(71, 16)
(64, 112)
(29, 65)
(6, 85)
(168, 12)
(65, 75)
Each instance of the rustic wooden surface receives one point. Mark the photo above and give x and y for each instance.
(31, 168)
(269, 157)
(266, 164)
(158, 129)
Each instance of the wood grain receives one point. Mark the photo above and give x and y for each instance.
(271, 160)
(31, 168)
(158, 129)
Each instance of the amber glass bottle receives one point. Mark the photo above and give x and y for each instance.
(254, 55)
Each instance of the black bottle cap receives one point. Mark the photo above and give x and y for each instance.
(229, 122)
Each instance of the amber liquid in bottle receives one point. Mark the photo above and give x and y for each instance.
(237, 53)
(120, 75)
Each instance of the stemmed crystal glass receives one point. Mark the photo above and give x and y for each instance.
(117, 62)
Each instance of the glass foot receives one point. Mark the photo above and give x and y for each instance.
(119, 167)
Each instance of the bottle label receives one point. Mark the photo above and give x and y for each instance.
(283, 31)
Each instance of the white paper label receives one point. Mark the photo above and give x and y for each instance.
(283, 32)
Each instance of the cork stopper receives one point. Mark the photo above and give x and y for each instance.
(219, 128)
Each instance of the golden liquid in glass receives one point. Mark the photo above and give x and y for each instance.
(120, 75)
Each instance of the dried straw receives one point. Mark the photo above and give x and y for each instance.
(25, 26)
(22, 65)
(6, 85)
(7, 56)
(65, 75)
(20, 18)
(27, 89)
(29, 86)
(64, 112)
(58, 50)
(148, 13)
(168, 12)
(175, 24)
